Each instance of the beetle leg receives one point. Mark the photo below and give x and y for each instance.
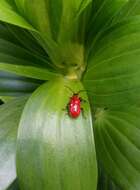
(66, 110)
(82, 100)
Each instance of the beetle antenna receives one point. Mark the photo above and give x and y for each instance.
(84, 91)
(80, 91)
(70, 89)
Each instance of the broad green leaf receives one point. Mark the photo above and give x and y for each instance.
(9, 14)
(16, 51)
(103, 11)
(131, 8)
(13, 186)
(53, 18)
(26, 70)
(5, 99)
(106, 13)
(17, 59)
(9, 119)
(117, 40)
(13, 85)
(25, 39)
(105, 182)
(117, 135)
(55, 151)
(62, 26)
(112, 77)
(6, 35)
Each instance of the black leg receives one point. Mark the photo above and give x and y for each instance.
(82, 100)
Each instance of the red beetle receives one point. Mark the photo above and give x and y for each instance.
(74, 106)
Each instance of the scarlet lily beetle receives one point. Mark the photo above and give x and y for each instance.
(74, 105)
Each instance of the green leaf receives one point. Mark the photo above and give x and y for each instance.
(6, 35)
(105, 182)
(53, 18)
(112, 75)
(16, 59)
(13, 85)
(9, 119)
(25, 69)
(55, 151)
(62, 26)
(114, 41)
(15, 50)
(131, 8)
(13, 186)
(20, 66)
(102, 14)
(117, 135)
(26, 40)
(9, 14)
(23, 39)
(5, 99)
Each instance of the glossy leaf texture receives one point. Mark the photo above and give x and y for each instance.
(9, 119)
(26, 42)
(117, 137)
(104, 181)
(112, 76)
(62, 26)
(20, 60)
(102, 14)
(55, 151)
(9, 14)
(51, 18)
(13, 186)
(131, 8)
(12, 85)
(23, 38)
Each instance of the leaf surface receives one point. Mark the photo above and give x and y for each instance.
(16, 59)
(13, 186)
(131, 8)
(62, 27)
(102, 14)
(9, 14)
(105, 182)
(54, 148)
(9, 119)
(13, 86)
(112, 76)
(117, 136)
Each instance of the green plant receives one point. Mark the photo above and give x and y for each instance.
(89, 45)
